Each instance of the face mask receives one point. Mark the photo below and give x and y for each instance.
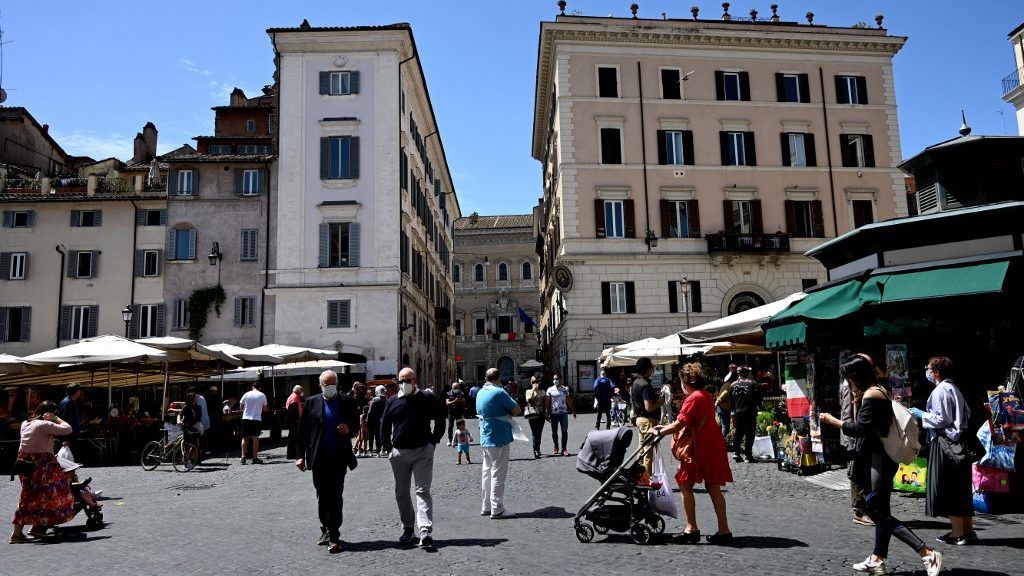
(330, 391)
(556, 382)
(406, 388)
(929, 376)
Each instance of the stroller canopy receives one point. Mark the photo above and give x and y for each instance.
(603, 452)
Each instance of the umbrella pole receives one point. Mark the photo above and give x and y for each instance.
(110, 389)
(163, 398)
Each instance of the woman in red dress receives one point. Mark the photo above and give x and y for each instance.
(709, 462)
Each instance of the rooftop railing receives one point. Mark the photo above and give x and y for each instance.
(1012, 81)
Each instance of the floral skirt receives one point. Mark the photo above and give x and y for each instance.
(46, 498)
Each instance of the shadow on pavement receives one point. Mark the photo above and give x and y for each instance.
(1017, 543)
(926, 525)
(552, 512)
(768, 542)
(469, 543)
(378, 545)
(952, 572)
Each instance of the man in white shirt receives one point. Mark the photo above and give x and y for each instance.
(253, 403)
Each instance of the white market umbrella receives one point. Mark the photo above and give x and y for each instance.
(14, 365)
(295, 353)
(246, 354)
(744, 325)
(314, 367)
(181, 350)
(531, 364)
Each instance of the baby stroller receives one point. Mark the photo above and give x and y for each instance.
(621, 503)
(85, 498)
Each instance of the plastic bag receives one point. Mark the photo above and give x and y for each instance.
(662, 500)
(65, 453)
(987, 479)
(763, 448)
(996, 456)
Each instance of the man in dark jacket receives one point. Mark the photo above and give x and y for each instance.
(68, 412)
(603, 391)
(746, 401)
(328, 422)
(406, 430)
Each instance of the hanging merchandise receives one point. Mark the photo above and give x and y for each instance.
(996, 456)
(1007, 409)
(993, 480)
(912, 477)
(896, 365)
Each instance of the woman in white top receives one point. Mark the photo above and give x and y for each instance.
(558, 404)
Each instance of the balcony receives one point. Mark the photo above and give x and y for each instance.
(1012, 81)
(759, 243)
(115, 185)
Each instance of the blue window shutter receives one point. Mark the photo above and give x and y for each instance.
(76, 218)
(72, 263)
(325, 245)
(353, 244)
(160, 320)
(140, 217)
(94, 319)
(192, 244)
(95, 264)
(8, 218)
(98, 218)
(172, 182)
(325, 82)
(27, 258)
(238, 312)
(31, 218)
(171, 243)
(239, 181)
(26, 323)
(325, 158)
(140, 263)
(65, 322)
(353, 82)
(353, 157)
(163, 217)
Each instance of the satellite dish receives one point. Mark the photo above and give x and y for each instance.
(3, 95)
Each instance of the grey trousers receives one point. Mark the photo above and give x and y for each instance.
(414, 465)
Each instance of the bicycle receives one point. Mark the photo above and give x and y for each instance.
(619, 417)
(183, 454)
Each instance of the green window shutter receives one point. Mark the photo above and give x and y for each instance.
(140, 217)
(325, 82)
(237, 321)
(353, 157)
(95, 264)
(3, 324)
(65, 322)
(140, 263)
(97, 218)
(264, 176)
(325, 158)
(239, 181)
(8, 218)
(94, 319)
(192, 244)
(136, 322)
(72, 263)
(163, 217)
(5, 269)
(172, 182)
(160, 330)
(28, 257)
(345, 314)
(26, 323)
(171, 247)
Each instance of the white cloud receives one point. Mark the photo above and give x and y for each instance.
(193, 67)
(98, 146)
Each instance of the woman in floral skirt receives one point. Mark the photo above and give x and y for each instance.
(46, 498)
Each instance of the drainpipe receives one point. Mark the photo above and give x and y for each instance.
(135, 243)
(401, 278)
(60, 291)
(266, 256)
(828, 155)
(643, 153)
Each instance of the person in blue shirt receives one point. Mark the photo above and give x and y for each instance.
(495, 408)
(603, 391)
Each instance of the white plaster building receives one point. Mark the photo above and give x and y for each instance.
(365, 204)
(1013, 87)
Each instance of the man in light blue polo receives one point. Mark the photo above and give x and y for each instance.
(495, 408)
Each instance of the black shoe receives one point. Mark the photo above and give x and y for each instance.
(426, 541)
(334, 547)
(737, 458)
(324, 540)
(686, 537)
(721, 539)
(406, 536)
(256, 461)
(243, 461)
(969, 538)
(947, 538)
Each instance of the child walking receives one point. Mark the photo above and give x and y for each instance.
(462, 438)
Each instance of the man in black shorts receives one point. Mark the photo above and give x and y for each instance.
(253, 403)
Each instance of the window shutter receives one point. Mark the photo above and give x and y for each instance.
(599, 224)
(163, 217)
(345, 313)
(31, 218)
(780, 91)
(790, 209)
(26, 323)
(172, 181)
(332, 314)
(862, 90)
(353, 244)
(140, 263)
(353, 157)
(630, 298)
(97, 218)
(28, 257)
(695, 303)
(353, 82)
(750, 151)
(666, 218)
(325, 82)
(72, 263)
(723, 142)
(784, 144)
(171, 238)
(673, 297)
(250, 313)
(805, 89)
(140, 217)
(76, 218)
(65, 322)
(846, 151)
(5, 268)
(809, 151)
(160, 330)
(693, 218)
(159, 262)
(841, 96)
(744, 86)
(195, 182)
(719, 85)
(869, 151)
(94, 320)
(8, 218)
(606, 298)
(817, 220)
(264, 177)
(192, 244)
(756, 225)
(95, 264)
(325, 245)
(325, 158)
(629, 215)
(238, 312)
(728, 223)
(136, 322)
(688, 153)
(239, 177)
(175, 319)
(662, 148)
(3, 324)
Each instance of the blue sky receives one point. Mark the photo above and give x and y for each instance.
(96, 72)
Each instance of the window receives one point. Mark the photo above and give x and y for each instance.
(481, 370)
(341, 83)
(154, 217)
(185, 182)
(339, 313)
(675, 147)
(742, 217)
(671, 84)
(150, 263)
(248, 251)
(15, 324)
(611, 146)
(19, 218)
(86, 218)
(218, 149)
(457, 273)
(857, 150)
(502, 272)
(618, 297)
(181, 314)
(863, 212)
(82, 317)
(149, 320)
(481, 326)
(253, 149)
(339, 157)
(684, 296)
(18, 268)
(251, 182)
(338, 249)
(808, 283)
(245, 307)
(527, 271)
(505, 324)
(851, 90)
(792, 88)
(679, 224)
(804, 219)
(250, 125)
(802, 222)
(798, 149)
(478, 273)
(735, 148)
(614, 219)
(734, 86)
(181, 244)
(458, 327)
(607, 82)
(84, 264)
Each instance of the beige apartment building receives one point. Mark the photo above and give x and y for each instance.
(689, 164)
(495, 276)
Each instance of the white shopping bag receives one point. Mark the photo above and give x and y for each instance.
(65, 453)
(662, 500)
(517, 430)
(763, 449)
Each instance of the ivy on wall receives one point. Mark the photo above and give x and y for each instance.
(199, 307)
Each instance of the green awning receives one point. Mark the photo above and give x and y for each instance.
(943, 282)
(786, 335)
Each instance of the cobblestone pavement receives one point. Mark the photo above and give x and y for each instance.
(223, 518)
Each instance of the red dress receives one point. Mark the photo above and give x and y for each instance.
(710, 460)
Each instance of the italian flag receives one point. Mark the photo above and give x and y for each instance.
(797, 402)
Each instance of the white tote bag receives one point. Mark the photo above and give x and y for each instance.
(65, 453)
(662, 500)
(763, 448)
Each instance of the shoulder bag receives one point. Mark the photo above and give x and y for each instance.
(683, 441)
(23, 468)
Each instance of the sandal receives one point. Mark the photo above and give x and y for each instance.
(19, 539)
(725, 539)
(687, 537)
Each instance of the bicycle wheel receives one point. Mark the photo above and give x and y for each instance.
(185, 457)
(152, 455)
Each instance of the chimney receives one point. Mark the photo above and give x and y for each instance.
(46, 128)
(238, 98)
(139, 150)
(149, 136)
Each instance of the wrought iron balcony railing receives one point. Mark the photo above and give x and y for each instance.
(1012, 81)
(747, 243)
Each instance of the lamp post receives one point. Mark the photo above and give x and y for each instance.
(215, 257)
(685, 286)
(126, 315)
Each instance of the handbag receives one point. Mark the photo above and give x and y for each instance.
(963, 451)
(23, 468)
(683, 442)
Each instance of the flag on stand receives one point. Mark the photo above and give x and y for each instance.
(797, 402)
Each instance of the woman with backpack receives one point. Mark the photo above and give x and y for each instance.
(873, 418)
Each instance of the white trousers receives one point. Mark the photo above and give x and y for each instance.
(492, 478)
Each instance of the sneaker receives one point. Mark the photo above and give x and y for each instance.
(257, 461)
(334, 547)
(869, 566)
(485, 512)
(933, 563)
(503, 515)
(947, 538)
(406, 536)
(324, 540)
(969, 538)
(243, 461)
(863, 520)
(737, 458)
(426, 541)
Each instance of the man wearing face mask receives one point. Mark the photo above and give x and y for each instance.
(328, 422)
(406, 431)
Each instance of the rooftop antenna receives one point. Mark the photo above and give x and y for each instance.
(965, 130)
(3, 93)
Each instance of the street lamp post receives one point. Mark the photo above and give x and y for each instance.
(215, 257)
(685, 286)
(126, 315)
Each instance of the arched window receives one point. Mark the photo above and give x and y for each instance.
(527, 271)
(457, 273)
(503, 272)
(478, 273)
